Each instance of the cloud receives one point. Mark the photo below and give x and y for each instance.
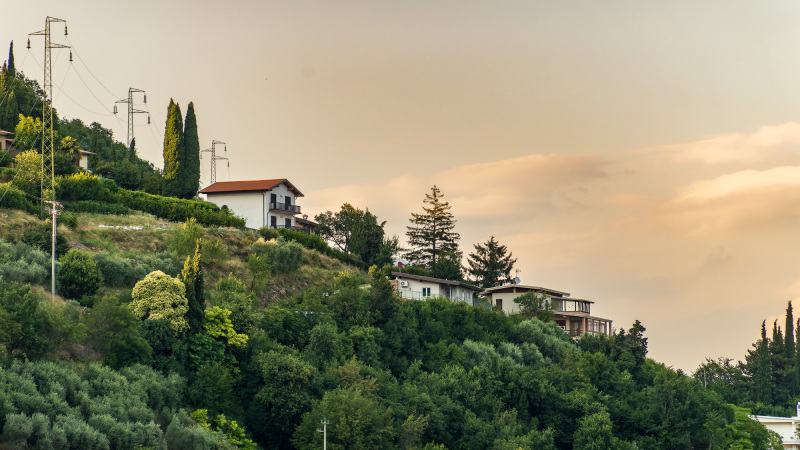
(768, 142)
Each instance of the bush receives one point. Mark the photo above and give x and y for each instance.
(12, 198)
(166, 262)
(23, 263)
(70, 220)
(281, 255)
(116, 271)
(5, 158)
(86, 206)
(183, 241)
(41, 237)
(79, 275)
(82, 186)
(178, 210)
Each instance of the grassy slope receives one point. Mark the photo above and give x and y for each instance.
(108, 232)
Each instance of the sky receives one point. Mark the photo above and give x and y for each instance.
(642, 155)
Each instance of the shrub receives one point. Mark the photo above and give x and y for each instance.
(41, 237)
(178, 210)
(5, 158)
(79, 275)
(116, 271)
(159, 296)
(281, 255)
(183, 241)
(166, 262)
(70, 220)
(82, 186)
(13, 198)
(86, 206)
(23, 263)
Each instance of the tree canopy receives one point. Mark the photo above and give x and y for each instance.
(489, 264)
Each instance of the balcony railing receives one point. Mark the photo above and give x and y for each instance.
(286, 207)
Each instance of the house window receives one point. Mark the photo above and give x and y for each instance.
(426, 292)
(500, 303)
(273, 222)
(288, 223)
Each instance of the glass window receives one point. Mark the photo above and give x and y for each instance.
(426, 292)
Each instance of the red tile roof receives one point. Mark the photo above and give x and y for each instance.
(251, 185)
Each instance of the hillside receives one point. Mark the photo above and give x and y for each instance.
(286, 336)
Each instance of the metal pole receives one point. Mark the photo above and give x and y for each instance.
(53, 257)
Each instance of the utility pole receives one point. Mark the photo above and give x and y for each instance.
(215, 158)
(324, 432)
(132, 111)
(55, 212)
(48, 176)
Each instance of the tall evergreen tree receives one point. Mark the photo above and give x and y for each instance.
(790, 351)
(431, 232)
(759, 367)
(173, 151)
(192, 278)
(490, 264)
(12, 69)
(132, 151)
(191, 160)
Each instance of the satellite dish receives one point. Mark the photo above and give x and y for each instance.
(516, 280)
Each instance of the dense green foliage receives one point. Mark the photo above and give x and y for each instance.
(357, 232)
(178, 210)
(79, 275)
(767, 381)
(41, 237)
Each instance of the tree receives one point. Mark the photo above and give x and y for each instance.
(12, 70)
(79, 276)
(132, 151)
(28, 176)
(173, 151)
(159, 296)
(358, 232)
(190, 174)
(114, 330)
(431, 232)
(192, 278)
(447, 266)
(789, 349)
(535, 304)
(490, 264)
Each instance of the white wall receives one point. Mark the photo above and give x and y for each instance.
(281, 193)
(248, 205)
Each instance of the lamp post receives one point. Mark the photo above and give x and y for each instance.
(324, 432)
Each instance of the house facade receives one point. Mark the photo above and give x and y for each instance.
(83, 162)
(573, 315)
(6, 140)
(418, 287)
(261, 203)
(786, 427)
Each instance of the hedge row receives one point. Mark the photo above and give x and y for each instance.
(178, 210)
(13, 198)
(97, 208)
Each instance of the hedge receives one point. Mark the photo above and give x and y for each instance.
(97, 208)
(82, 186)
(311, 242)
(178, 210)
(13, 198)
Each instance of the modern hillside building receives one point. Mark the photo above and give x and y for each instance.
(418, 287)
(261, 203)
(571, 314)
(786, 427)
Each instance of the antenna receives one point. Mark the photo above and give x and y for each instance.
(48, 175)
(215, 158)
(132, 111)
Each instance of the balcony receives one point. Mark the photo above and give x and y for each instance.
(284, 207)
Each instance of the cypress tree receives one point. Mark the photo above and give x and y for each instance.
(199, 291)
(191, 161)
(191, 276)
(758, 364)
(790, 350)
(12, 70)
(431, 233)
(173, 151)
(132, 151)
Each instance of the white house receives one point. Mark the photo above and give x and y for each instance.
(418, 287)
(786, 427)
(571, 314)
(262, 203)
(83, 162)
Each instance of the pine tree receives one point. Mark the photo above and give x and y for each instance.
(759, 366)
(490, 264)
(431, 233)
(173, 151)
(191, 161)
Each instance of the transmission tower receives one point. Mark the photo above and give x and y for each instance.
(48, 177)
(132, 111)
(215, 158)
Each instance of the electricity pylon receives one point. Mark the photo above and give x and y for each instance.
(48, 175)
(215, 158)
(132, 111)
